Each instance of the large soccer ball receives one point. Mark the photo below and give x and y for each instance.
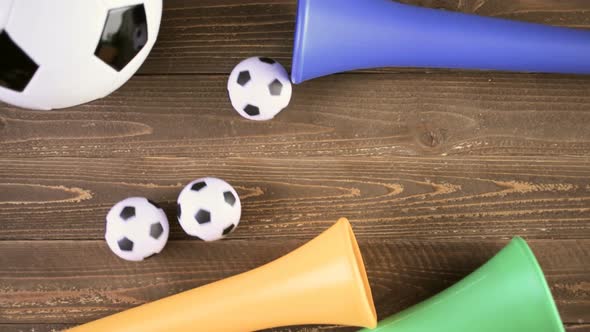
(209, 209)
(62, 53)
(136, 229)
(259, 88)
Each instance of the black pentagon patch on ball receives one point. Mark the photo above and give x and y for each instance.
(16, 67)
(124, 35)
(198, 186)
(267, 60)
(203, 216)
(154, 204)
(252, 110)
(156, 230)
(244, 77)
(178, 211)
(125, 244)
(127, 212)
(229, 198)
(228, 229)
(275, 88)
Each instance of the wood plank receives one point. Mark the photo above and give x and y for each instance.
(389, 198)
(407, 114)
(211, 36)
(34, 327)
(70, 282)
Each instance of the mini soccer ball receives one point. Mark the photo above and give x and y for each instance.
(137, 228)
(209, 209)
(62, 53)
(259, 88)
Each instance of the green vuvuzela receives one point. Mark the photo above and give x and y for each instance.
(508, 294)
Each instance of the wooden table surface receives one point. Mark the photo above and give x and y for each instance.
(436, 169)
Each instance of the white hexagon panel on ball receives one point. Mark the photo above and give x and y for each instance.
(62, 53)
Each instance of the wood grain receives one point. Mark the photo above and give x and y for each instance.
(77, 281)
(389, 198)
(212, 36)
(406, 115)
(34, 327)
